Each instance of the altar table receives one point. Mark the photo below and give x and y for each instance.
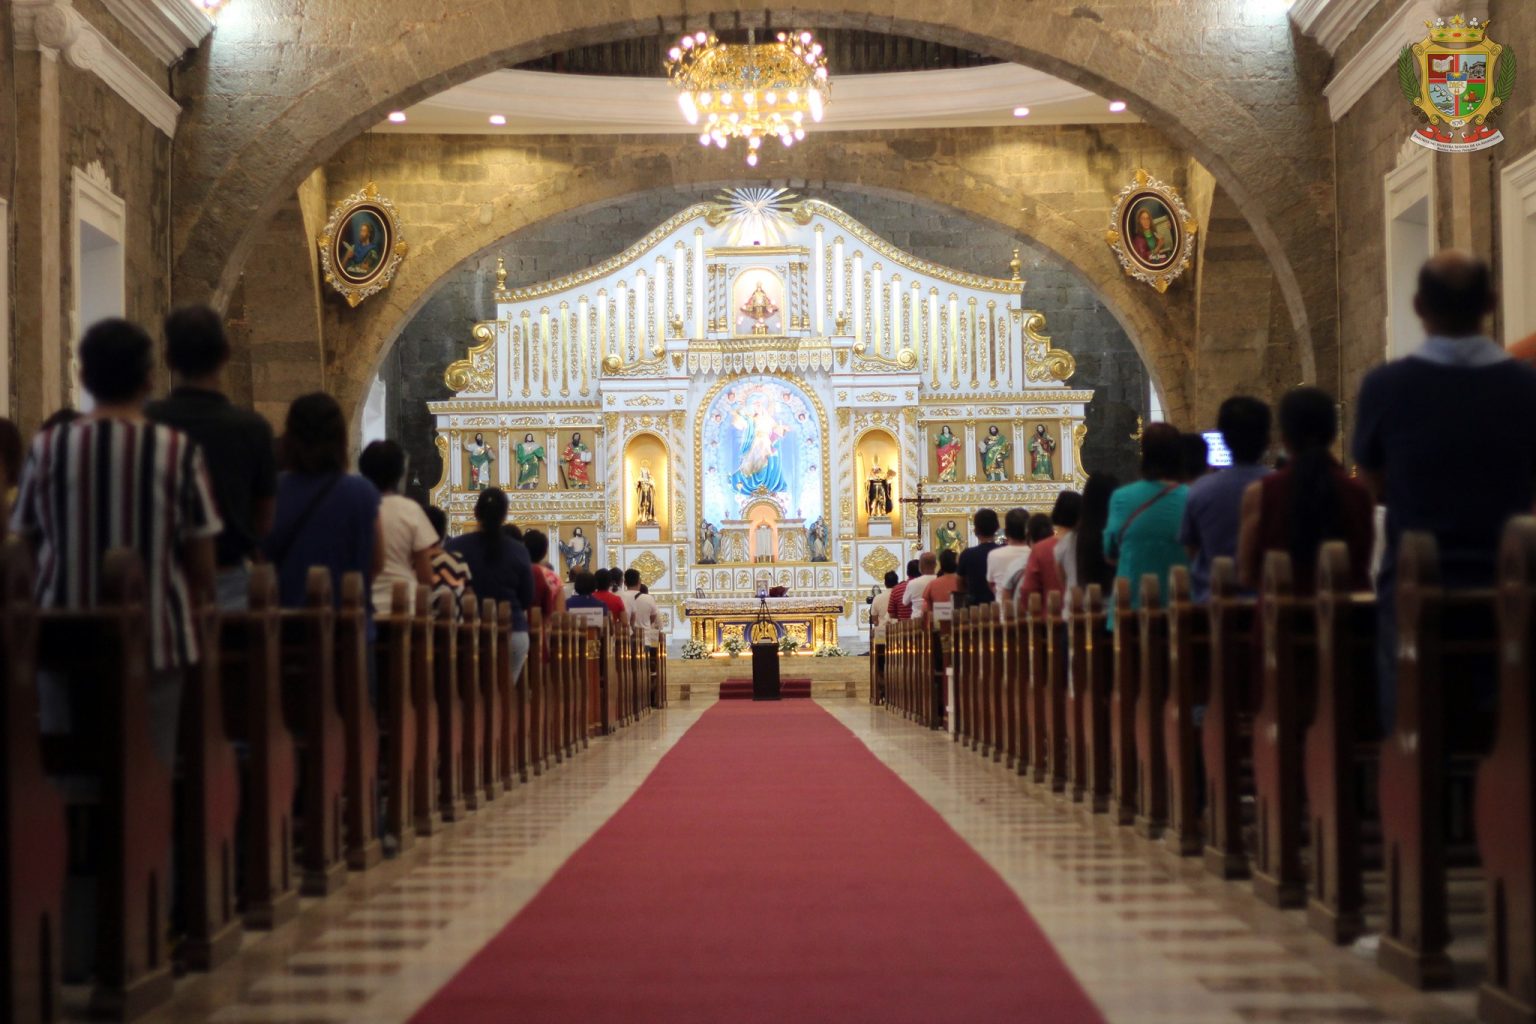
(812, 621)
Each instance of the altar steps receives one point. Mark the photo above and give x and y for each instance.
(741, 689)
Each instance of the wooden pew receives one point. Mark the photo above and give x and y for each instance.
(312, 709)
(1151, 623)
(250, 655)
(1445, 637)
(1228, 722)
(471, 721)
(33, 848)
(1189, 667)
(1285, 702)
(1074, 613)
(1506, 794)
(1122, 707)
(533, 724)
(361, 726)
(495, 621)
(425, 768)
(1098, 671)
(396, 665)
(1033, 685)
(450, 798)
(1056, 653)
(210, 805)
(109, 645)
(1340, 737)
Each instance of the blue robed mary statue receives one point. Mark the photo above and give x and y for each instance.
(760, 431)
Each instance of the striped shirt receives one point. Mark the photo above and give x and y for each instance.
(97, 484)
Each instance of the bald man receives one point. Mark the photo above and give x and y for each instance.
(1446, 438)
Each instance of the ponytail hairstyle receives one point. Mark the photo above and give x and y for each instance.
(491, 514)
(1094, 516)
(1309, 423)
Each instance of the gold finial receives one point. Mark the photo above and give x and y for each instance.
(1014, 265)
(501, 273)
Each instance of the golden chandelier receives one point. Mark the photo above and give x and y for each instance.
(752, 91)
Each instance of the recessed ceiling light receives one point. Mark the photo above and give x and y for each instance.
(397, 117)
(1020, 111)
(498, 119)
(1116, 106)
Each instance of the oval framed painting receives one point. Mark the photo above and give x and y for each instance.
(1151, 232)
(361, 247)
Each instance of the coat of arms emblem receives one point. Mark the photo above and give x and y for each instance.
(1458, 80)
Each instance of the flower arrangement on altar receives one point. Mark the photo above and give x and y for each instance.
(695, 650)
(733, 645)
(830, 651)
(788, 644)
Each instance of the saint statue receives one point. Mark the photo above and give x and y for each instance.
(759, 308)
(709, 544)
(530, 463)
(994, 455)
(577, 458)
(645, 490)
(818, 540)
(947, 456)
(877, 493)
(949, 539)
(577, 554)
(759, 468)
(1042, 448)
(480, 459)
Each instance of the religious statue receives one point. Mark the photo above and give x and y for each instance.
(645, 490)
(994, 455)
(709, 544)
(530, 463)
(949, 539)
(578, 462)
(818, 540)
(759, 308)
(877, 493)
(577, 553)
(759, 468)
(1042, 448)
(947, 455)
(480, 459)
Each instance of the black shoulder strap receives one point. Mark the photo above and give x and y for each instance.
(278, 553)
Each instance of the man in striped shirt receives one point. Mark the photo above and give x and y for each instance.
(113, 479)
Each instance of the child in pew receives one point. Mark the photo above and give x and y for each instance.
(449, 573)
(138, 485)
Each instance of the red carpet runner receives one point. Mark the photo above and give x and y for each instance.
(770, 869)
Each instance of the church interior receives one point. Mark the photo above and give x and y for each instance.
(989, 512)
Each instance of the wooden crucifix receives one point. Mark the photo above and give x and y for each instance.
(918, 503)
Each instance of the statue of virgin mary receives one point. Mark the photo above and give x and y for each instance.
(759, 467)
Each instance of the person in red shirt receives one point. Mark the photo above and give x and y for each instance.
(944, 586)
(548, 594)
(899, 607)
(609, 599)
(1042, 573)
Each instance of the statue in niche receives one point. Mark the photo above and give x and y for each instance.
(994, 455)
(946, 452)
(877, 492)
(577, 553)
(1042, 451)
(759, 308)
(949, 539)
(645, 491)
(530, 463)
(709, 544)
(480, 459)
(759, 467)
(818, 540)
(577, 458)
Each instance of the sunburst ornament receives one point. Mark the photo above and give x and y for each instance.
(755, 216)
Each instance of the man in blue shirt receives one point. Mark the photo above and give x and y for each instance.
(1446, 439)
(1211, 517)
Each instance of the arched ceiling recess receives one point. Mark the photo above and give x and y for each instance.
(977, 174)
(282, 86)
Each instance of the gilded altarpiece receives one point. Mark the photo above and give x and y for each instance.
(786, 380)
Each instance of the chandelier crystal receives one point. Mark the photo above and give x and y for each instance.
(754, 92)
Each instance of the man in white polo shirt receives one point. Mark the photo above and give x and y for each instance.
(1004, 561)
(927, 565)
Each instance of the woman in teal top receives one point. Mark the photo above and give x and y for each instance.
(1142, 535)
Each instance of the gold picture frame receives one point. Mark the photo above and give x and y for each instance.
(360, 245)
(1152, 232)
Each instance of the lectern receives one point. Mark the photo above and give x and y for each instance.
(765, 656)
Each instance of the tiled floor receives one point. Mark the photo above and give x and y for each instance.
(1151, 938)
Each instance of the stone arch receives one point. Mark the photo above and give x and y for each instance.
(270, 108)
(966, 174)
